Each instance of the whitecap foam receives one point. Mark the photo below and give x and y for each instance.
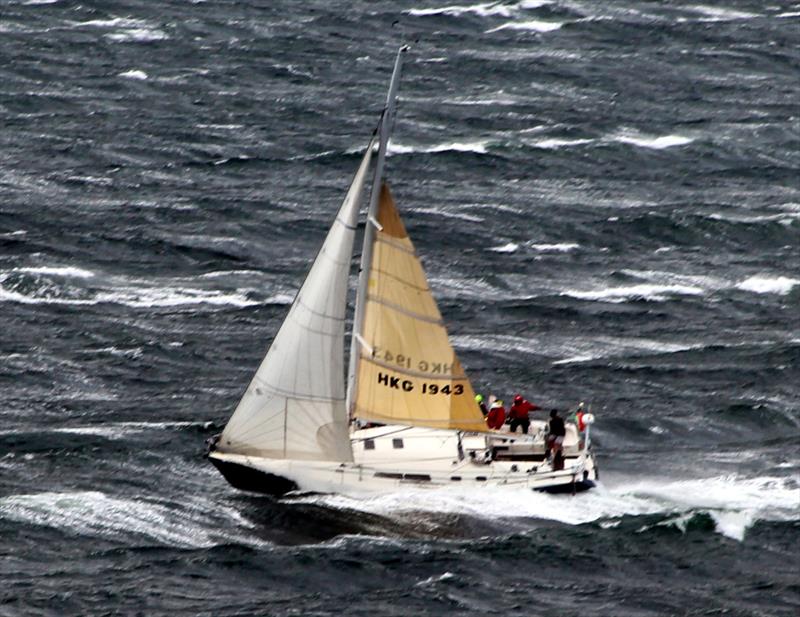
(161, 297)
(114, 22)
(484, 10)
(554, 144)
(652, 292)
(452, 215)
(531, 25)
(494, 343)
(137, 35)
(713, 13)
(432, 580)
(510, 247)
(227, 273)
(593, 348)
(134, 74)
(143, 297)
(133, 353)
(93, 513)
(764, 284)
(651, 141)
(481, 102)
(66, 271)
(121, 430)
(785, 218)
(477, 147)
(724, 497)
(7, 295)
(559, 247)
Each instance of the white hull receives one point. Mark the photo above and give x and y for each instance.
(392, 457)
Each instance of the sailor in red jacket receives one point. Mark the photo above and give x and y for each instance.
(497, 416)
(519, 414)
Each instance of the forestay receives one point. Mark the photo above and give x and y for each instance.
(408, 372)
(295, 405)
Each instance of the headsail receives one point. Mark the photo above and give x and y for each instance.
(408, 372)
(295, 405)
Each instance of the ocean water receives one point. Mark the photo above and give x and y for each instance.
(607, 200)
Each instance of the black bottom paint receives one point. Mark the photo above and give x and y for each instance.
(249, 479)
(572, 487)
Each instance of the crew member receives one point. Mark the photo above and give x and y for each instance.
(580, 423)
(519, 414)
(555, 439)
(482, 405)
(497, 415)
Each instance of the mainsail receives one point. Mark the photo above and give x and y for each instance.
(407, 371)
(295, 405)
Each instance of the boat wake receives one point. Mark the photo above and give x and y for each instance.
(734, 503)
(136, 521)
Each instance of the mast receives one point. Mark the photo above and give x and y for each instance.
(387, 123)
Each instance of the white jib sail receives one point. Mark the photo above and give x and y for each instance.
(295, 405)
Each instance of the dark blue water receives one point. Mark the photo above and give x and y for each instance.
(607, 200)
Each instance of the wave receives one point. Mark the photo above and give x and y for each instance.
(147, 298)
(484, 10)
(712, 13)
(96, 514)
(650, 292)
(131, 30)
(595, 348)
(122, 430)
(16, 285)
(763, 284)
(554, 144)
(511, 247)
(734, 502)
(760, 284)
(66, 271)
(114, 22)
(559, 247)
(137, 35)
(651, 141)
(501, 141)
(532, 25)
(476, 147)
(134, 74)
(480, 102)
(784, 218)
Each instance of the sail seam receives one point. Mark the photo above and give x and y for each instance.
(302, 396)
(316, 314)
(395, 244)
(330, 256)
(404, 311)
(400, 280)
(346, 225)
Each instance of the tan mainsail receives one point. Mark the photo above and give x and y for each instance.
(408, 372)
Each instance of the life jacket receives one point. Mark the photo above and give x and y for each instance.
(496, 417)
(520, 410)
(581, 423)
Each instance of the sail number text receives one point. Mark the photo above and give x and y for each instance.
(439, 368)
(406, 385)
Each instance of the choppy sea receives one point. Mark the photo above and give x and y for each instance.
(606, 196)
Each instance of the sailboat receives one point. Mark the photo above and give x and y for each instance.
(405, 414)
